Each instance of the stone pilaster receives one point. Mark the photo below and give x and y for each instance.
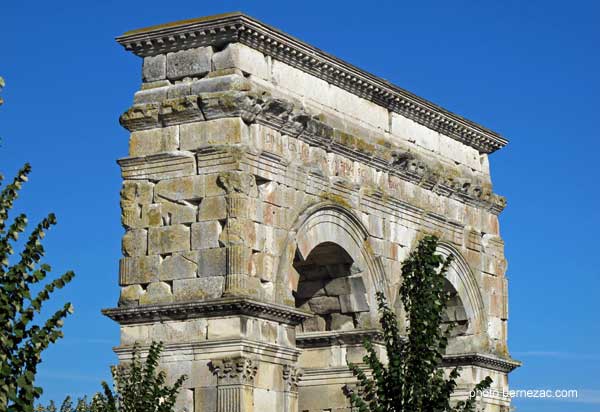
(235, 384)
(238, 233)
(291, 378)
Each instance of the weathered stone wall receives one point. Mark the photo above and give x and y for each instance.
(257, 194)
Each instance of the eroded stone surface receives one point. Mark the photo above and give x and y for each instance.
(251, 175)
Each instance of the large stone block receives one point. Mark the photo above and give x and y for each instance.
(301, 83)
(212, 208)
(212, 262)
(141, 269)
(200, 288)
(338, 286)
(213, 186)
(147, 142)
(205, 399)
(178, 266)
(137, 191)
(189, 188)
(324, 304)
(266, 139)
(168, 239)
(357, 302)
(151, 215)
(375, 225)
(360, 109)
(151, 95)
(315, 324)
(213, 132)
(182, 109)
(264, 266)
(130, 295)
(309, 288)
(224, 328)
(156, 293)
(341, 322)
(154, 68)
(357, 284)
(221, 83)
(237, 55)
(135, 242)
(189, 63)
(205, 235)
(407, 130)
(238, 232)
(134, 333)
(174, 213)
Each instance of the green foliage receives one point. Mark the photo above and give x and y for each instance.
(139, 387)
(21, 341)
(82, 405)
(413, 380)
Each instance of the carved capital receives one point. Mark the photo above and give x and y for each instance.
(291, 377)
(234, 371)
(238, 182)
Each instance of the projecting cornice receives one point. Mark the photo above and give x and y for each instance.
(482, 360)
(237, 27)
(206, 308)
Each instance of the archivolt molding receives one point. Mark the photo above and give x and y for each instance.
(237, 27)
(330, 222)
(462, 278)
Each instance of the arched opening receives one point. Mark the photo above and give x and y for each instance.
(455, 313)
(331, 287)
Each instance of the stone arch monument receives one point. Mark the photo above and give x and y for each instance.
(270, 191)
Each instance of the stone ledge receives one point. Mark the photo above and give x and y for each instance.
(187, 351)
(482, 360)
(237, 27)
(328, 338)
(207, 308)
(166, 165)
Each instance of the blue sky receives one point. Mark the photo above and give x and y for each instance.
(526, 69)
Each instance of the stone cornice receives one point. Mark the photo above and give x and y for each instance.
(328, 338)
(206, 308)
(482, 360)
(237, 27)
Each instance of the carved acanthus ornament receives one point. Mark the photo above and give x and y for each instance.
(234, 371)
(291, 378)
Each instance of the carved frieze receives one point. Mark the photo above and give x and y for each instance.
(281, 115)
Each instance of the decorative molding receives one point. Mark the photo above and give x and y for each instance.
(273, 353)
(291, 376)
(297, 123)
(481, 360)
(234, 371)
(353, 337)
(166, 165)
(236, 27)
(207, 308)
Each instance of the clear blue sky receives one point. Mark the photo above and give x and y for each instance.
(528, 69)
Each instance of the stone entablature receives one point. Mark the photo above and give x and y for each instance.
(295, 132)
(237, 27)
(265, 204)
